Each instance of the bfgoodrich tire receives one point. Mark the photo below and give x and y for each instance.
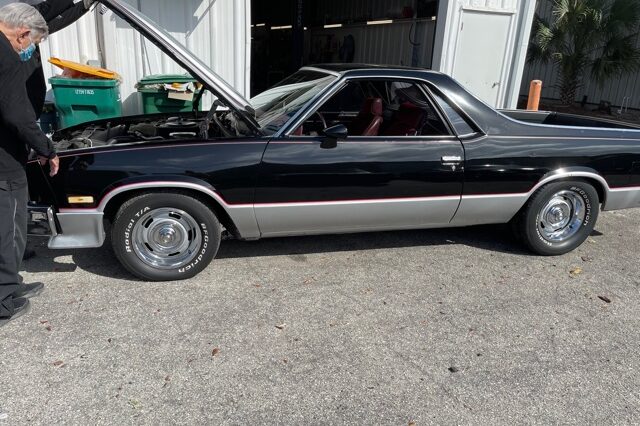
(559, 217)
(165, 236)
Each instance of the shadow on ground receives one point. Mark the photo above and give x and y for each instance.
(102, 262)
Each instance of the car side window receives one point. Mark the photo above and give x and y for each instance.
(378, 108)
(457, 121)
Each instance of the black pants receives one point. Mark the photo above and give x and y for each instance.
(13, 238)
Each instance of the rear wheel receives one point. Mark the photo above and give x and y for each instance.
(165, 236)
(559, 217)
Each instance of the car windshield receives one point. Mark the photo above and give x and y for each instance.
(277, 105)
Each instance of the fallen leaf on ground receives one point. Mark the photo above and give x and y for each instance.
(604, 299)
(58, 363)
(281, 326)
(49, 328)
(574, 272)
(586, 259)
(215, 351)
(134, 404)
(454, 369)
(44, 322)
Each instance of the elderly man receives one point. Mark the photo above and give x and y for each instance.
(21, 28)
(59, 14)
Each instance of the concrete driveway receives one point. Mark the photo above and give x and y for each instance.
(423, 327)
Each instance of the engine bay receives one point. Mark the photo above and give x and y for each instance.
(143, 129)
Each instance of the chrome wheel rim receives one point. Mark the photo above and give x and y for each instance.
(166, 238)
(562, 217)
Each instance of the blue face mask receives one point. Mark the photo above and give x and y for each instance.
(26, 54)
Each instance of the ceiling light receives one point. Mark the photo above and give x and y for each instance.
(381, 22)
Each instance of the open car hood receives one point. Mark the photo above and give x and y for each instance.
(212, 81)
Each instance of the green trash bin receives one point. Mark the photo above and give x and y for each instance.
(155, 98)
(82, 100)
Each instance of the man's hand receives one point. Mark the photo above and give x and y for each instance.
(54, 164)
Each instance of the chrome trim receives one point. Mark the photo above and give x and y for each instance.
(300, 116)
(242, 215)
(451, 159)
(79, 230)
(563, 174)
(52, 222)
(501, 208)
(167, 238)
(288, 128)
(562, 217)
(567, 137)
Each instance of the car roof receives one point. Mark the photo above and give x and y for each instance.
(346, 68)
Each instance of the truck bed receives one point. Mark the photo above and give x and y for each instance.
(561, 119)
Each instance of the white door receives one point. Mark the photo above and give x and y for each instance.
(481, 53)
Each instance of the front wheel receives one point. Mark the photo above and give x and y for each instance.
(559, 217)
(165, 236)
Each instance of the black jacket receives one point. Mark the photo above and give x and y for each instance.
(18, 128)
(59, 14)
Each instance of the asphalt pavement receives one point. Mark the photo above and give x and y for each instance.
(457, 326)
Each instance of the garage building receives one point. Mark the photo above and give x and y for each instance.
(255, 43)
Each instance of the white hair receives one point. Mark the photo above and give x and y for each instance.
(21, 15)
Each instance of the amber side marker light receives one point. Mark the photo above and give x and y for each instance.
(80, 200)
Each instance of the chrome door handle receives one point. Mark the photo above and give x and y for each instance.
(451, 159)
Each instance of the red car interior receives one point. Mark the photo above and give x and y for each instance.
(369, 119)
(406, 121)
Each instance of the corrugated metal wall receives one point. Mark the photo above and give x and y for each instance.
(215, 30)
(340, 11)
(400, 43)
(615, 90)
(406, 42)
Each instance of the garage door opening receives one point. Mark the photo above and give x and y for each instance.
(289, 34)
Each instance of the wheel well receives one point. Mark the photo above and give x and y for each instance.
(593, 182)
(111, 209)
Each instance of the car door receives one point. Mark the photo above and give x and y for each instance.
(361, 183)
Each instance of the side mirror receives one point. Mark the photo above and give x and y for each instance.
(332, 135)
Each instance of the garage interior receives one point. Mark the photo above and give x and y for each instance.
(289, 34)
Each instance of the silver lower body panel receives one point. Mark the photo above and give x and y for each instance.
(78, 230)
(353, 216)
(622, 198)
(488, 209)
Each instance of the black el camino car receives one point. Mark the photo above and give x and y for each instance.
(331, 149)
